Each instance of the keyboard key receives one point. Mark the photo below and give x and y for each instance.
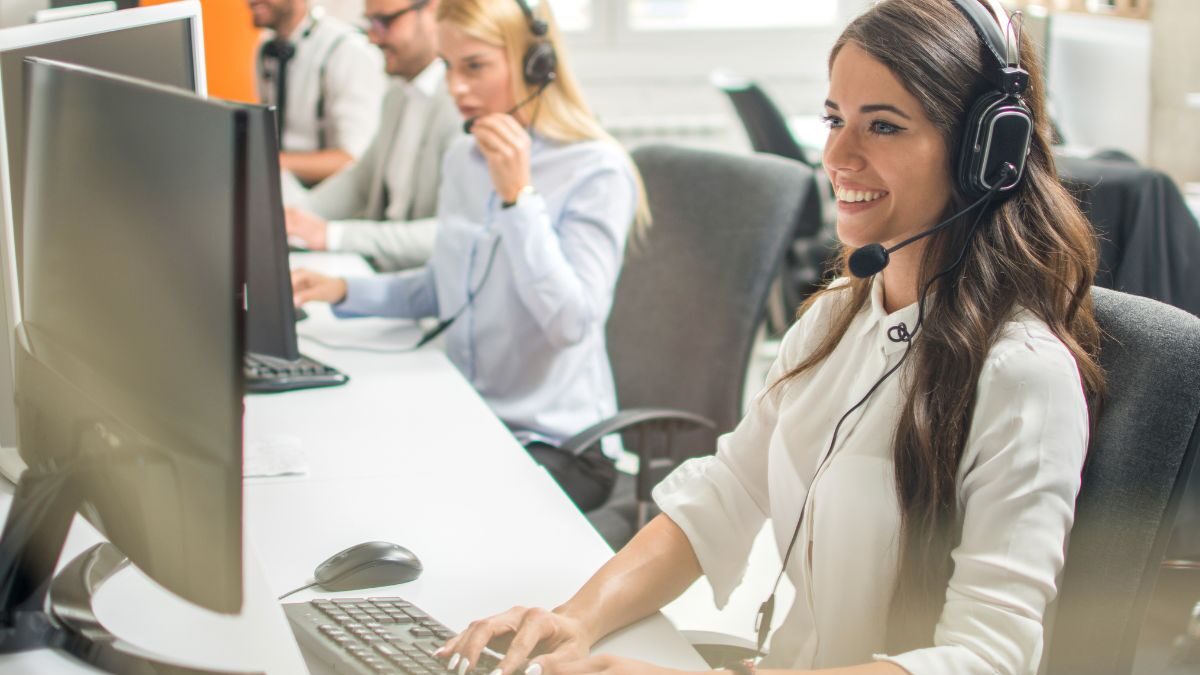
(386, 649)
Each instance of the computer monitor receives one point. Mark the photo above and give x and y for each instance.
(271, 316)
(129, 368)
(162, 43)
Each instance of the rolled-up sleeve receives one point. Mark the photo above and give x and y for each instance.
(566, 270)
(1024, 459)
(721, 502)
(407, 295)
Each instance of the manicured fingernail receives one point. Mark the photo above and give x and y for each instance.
(534, 669)
(496, 672)
(453, 662)
(462, 667)
(439, 651)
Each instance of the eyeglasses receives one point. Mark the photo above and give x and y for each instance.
(381, 23)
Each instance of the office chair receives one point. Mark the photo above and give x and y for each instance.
(814, 242)
(687, 306)
(1141, 452)
(764, 123)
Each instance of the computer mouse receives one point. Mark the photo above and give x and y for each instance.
(375, 563)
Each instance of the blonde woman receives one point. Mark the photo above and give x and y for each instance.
(535, 207)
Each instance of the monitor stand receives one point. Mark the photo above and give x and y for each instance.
(41, 610)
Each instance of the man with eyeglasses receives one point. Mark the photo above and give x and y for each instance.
(325, 81)
(383, 206)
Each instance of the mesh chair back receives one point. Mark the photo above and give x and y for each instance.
(1140, 454)
(692, 294)
(765, 125)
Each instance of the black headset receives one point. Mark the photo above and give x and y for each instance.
(541, 61)
(999, 126)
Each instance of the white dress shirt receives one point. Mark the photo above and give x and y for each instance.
(1017, 483)
(334, 59)
(532, 342)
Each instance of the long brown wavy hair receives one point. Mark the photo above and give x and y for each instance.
(1034, 251)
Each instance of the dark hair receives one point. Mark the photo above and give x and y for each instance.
(1034, 251)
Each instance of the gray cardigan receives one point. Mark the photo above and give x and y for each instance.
(397, 233)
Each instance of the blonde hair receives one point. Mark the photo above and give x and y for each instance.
(563, 114)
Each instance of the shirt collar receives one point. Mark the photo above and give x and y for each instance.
(427, 80)
(891, 330)
(304, 26)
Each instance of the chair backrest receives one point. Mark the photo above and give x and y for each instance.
(765, 125)
(1145, 441)
(692, 294)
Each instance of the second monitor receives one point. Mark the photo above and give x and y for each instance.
(273, 359)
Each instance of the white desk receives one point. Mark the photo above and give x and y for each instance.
(406, 452)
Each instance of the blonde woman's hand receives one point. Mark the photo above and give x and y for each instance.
(520, 633)
(309, 286)
(505, 145)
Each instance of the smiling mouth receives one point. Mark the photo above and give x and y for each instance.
(855, 196)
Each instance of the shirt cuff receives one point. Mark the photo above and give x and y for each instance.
(720, 520)
(364, 297)
(335, 234)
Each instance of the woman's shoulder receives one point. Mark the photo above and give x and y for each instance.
(593, 155)
(1027, 351)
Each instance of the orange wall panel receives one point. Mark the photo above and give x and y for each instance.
(230, 41)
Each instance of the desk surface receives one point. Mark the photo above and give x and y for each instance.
(406, 452)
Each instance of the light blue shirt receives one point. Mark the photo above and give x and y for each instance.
(532, 343)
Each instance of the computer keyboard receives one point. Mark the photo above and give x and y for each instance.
(266, 374)
(373, 635)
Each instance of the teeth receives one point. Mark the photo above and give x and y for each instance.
(845, 195)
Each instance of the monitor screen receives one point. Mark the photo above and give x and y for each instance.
(270, 318)
(133, 317)
(162, 43)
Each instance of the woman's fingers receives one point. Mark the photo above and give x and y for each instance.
(500, 134)
(462, 652)
(537, 627)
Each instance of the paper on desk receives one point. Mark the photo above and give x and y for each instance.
(281, 456)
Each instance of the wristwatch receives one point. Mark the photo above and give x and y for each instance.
(525, 191)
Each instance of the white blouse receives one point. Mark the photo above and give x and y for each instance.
(1017, 484)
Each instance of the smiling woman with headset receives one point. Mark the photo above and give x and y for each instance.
(534, 211)
(919, 444)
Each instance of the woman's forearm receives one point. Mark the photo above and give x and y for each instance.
(650, 571)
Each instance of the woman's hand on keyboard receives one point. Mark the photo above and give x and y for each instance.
(520, 633)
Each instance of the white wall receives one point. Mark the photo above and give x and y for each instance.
(17, 12)
(658, 88)
(1099, 81)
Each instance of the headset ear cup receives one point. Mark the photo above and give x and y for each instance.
(541, 62)
(998, 131)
